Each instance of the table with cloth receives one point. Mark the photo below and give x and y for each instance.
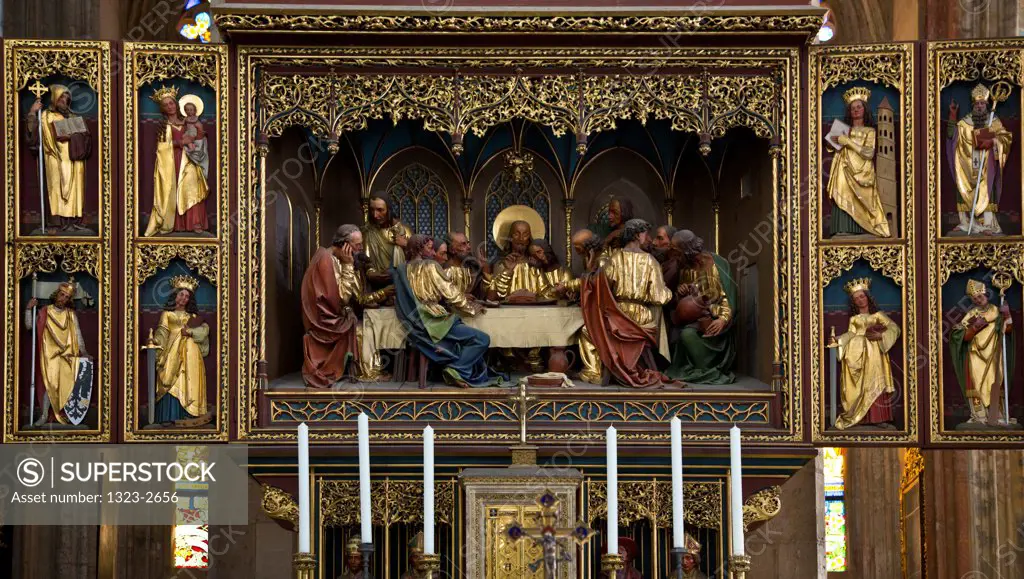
(508, 326)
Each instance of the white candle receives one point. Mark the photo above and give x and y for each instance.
(613, 491)
(304, 519)
(677, 484)
(364, 479)
(428, 490)
(736, 477)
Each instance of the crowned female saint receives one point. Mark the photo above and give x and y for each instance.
(852, 183)
(180, 188)
(181, 373)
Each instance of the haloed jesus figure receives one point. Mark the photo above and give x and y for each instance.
(513, 277)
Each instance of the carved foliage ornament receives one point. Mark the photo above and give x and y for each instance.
(43, 257)
(575, 104)
(886, 259)
(42, 60)
(393, 502)
(280, 505)
(990, 65)
(157, 66)
(651, 501)
(150, 258)
(913, 466)
(884, 68)
(698, 23)
(961, 257)
(763, 505)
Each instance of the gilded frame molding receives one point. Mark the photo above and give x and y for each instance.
(210, 257)
(893, 65)
(89, 61)
(786, 216)
(948, 62)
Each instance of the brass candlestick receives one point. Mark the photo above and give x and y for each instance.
(612, 562)
(367, 551)
(430, 565)
(738, 566)
(304, 565)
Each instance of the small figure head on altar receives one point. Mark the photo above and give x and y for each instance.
(636, 234)
(977, 149)
(542, 255)
(415, 558)
(661, 244)
(977, 346)
(60, 99)
(691, 560)
(386, 238)
(629, 551)
(353, 558)
(512, 276)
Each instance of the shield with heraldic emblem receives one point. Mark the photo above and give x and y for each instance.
(78, 403)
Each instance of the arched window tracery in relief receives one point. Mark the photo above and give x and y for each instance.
(421, 200)
(505, 191)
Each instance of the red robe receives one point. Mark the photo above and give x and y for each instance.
(330, 340)
(194, 216)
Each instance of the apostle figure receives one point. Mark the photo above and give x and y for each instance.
(462, 269)
(66, 146)
(179, 176)
(866, 379)
(976, 137)
(620, 211)
(386, 238)
(415, 559)
(422, 290)
(183, 343)
(588, 246)
(852, 183)
(706, 349)
(976, 347)
(60, 350)
(331, 289)
(628, 550)
(353, 566)
(441, 255)
(543, 257)
(617, 302)
(511, 277)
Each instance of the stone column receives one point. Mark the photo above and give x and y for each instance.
(873, 514)
(793, 543)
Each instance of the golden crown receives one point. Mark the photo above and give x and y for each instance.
(180, 282)
(165, 92)
(861, 284)
(857, 93)
(980, 93)
(975, 287)
(353, 544)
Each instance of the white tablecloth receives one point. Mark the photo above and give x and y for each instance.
(508, 327)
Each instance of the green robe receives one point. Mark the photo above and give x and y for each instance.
(701, 360)
(958, 351)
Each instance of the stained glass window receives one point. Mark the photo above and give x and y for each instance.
(505, 191)
(195, 22)
(191, 512)
(421, 200)
(835, 508)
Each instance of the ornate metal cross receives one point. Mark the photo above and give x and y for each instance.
(554, 541)
(522, 401)
(38, 89)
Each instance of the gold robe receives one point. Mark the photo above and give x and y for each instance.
(352, 288)
(968, 160)
(380, 246)
(58, 358)
(709, 284)
(176, 188)
(557, 276)
(521, 277)
(463, 278)
(179, 362)
(639, 288)
(867, 371)
(65, 179)
(852, 184)
(431, 287)
(985, 354)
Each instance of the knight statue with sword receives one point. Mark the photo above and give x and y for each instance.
(978, 146)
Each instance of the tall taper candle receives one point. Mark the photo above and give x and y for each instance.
(364, 479)
(304, 488)
(613, 490)
(428, 491)
(736, 490)
(677, 484)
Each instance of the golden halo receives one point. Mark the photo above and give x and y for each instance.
(503, 222)
(193, 99)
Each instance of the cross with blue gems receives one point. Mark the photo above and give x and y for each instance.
(554, 541)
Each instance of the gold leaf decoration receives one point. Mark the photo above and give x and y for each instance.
(37, 59)
(651, 501)
(913, 467)
(392, 502)
(884, 67)
(43, 257)
(280, 505)
(199, 67)
(887, 259)
(1000, 257)
(990, 65)
(152, 257)
(763, 505)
